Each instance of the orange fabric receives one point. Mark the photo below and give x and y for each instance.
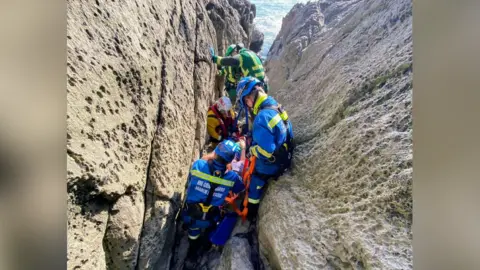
(247, 174)
(246, 180)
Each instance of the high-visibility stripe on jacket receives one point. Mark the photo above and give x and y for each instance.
(201, 181)
(249, 63)
(231, 74)
(269, 132)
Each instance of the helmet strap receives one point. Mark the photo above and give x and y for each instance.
(256, 95)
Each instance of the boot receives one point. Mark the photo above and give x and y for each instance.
(252, 212)
(193, 248)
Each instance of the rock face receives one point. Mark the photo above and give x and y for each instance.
(139, 83)
(343, 71)
(257, 40)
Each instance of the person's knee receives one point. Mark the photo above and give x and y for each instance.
(193, 233)
(255, 189)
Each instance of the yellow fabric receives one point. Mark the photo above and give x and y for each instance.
(219, 60)
(250, 200)
(257, 149)
(222, 72)
(260, 99)
(241, 65)
(230, 76)
(254, 57)
(212, 179)
(284, 116)
(259, 74)
(254, 151)
(244, 71)
(257, 66)
(213, 123)
(274, 121)
(205, 208)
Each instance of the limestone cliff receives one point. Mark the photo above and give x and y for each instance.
(343, 71)
(139, 83)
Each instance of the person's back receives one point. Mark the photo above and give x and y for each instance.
(208, 185)
(251, 64)
(201, 180)
(248, 62)
(269, 132)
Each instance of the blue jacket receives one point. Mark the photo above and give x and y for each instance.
(269, 132)
(200, 178)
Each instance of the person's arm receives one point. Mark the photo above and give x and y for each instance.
(227, 61)
(234, 127)
(238, 186)
(209, 156)
(264, 138)
(242, 146)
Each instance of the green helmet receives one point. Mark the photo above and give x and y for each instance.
(230, 49)
(233, 47)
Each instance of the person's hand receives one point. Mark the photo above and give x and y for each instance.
(212, 54)
(242, 143)
(209, 156)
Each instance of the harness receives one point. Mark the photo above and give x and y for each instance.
(205, 214)
(230, 85)
(246, 176)
(233, 75)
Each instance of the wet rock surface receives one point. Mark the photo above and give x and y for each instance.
(139, 80)
(343, 71)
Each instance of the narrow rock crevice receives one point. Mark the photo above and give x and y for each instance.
(120, 191)
(148, 186)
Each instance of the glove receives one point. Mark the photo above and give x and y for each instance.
(242, 143)
(212, 54)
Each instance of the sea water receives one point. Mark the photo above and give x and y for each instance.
(269, 19)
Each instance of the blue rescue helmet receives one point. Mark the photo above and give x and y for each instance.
(228, 150)
(245, 86)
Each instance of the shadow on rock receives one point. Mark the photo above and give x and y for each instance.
(240, 252)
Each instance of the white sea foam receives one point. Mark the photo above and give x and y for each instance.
(269, 18)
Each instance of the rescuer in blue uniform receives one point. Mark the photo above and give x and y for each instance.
(207, 187)
(272, 138)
